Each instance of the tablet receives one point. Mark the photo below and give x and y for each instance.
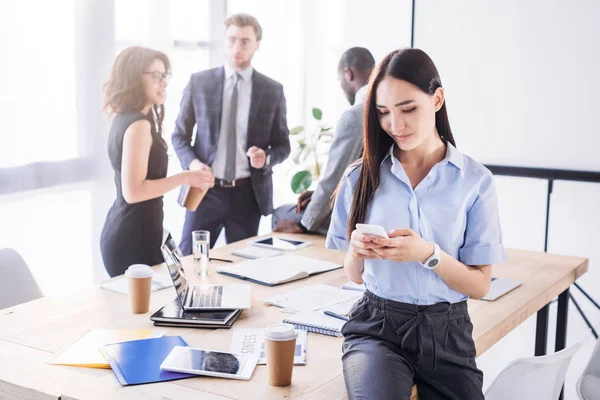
(499, 287)
(210, 363)
(254, 252)
(281, 243)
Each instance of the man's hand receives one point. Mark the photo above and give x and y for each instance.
(288, 226)
(257, 157)
(197, 165)
(303, 201)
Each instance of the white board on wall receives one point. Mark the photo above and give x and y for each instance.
(521, 78)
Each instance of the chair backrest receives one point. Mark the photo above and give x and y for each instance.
(539, 378)
(588, 385)
(17, 284)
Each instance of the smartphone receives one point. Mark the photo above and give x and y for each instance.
(281, 243)
(210, 363)
(373, 230)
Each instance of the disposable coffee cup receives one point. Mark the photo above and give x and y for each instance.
(193, 199)
(280, 346)
(140, 287)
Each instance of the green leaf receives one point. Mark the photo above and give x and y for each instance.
(296, 130)
(326, 129)
(301, 181)
(317, 113)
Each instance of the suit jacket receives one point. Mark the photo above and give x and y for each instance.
(267, 126)
(346, 148)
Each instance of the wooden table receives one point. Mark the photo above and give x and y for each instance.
(32, 333)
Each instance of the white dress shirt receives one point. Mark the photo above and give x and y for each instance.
(242, 164)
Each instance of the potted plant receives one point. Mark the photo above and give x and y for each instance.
(313, 145)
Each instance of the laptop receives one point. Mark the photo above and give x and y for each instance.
(499, 287)
(204, 297)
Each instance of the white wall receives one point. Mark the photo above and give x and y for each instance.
(521, 84)
(521, 77)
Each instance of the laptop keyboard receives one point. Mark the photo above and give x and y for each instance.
(207, 296)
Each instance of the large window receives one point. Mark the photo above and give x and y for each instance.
(179, 28)
(37, 100)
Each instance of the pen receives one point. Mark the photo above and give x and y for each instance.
(334, 315)
(220, 259)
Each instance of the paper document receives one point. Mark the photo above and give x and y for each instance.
(252, 341)
(121, 285)
(315, 297)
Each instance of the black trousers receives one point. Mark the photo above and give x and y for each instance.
(389, 345)
(234, 209)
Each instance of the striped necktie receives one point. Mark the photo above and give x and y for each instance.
(231, 132)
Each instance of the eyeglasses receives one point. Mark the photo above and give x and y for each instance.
(158, 76)
(244, 42)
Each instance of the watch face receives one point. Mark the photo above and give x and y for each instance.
(432, 263)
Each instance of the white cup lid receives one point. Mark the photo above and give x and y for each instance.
(280, 332)
(139, 271)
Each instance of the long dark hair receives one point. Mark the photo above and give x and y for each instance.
(413, 66)
(124, 90)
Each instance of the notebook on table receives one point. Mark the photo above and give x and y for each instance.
(273, 271)
(174, 315)
(316, 321)
(139, 361)
(196, 326)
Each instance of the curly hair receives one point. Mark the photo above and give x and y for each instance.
(124, 90)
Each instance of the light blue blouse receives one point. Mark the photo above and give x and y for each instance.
(455, 206)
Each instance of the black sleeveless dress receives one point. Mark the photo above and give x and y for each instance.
(132, 233)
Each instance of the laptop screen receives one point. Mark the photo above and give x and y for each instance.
(176, 271)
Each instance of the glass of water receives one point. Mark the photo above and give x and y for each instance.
(200, 246)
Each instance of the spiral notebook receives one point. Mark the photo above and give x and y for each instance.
(316, 321)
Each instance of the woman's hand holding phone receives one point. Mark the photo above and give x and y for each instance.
(362, 246)
(403, 245)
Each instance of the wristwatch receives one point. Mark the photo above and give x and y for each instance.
(434, 260)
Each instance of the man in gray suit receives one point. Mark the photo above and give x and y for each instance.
(241, 133)
(312, 213)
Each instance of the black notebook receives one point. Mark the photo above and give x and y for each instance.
(174, 315)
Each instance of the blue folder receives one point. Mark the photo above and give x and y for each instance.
(139, 361)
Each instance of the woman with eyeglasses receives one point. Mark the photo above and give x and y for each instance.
(440, 212)
(135, 94)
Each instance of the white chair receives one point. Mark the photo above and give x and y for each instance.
(588, 385)
(17, 285)
(539, 378)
